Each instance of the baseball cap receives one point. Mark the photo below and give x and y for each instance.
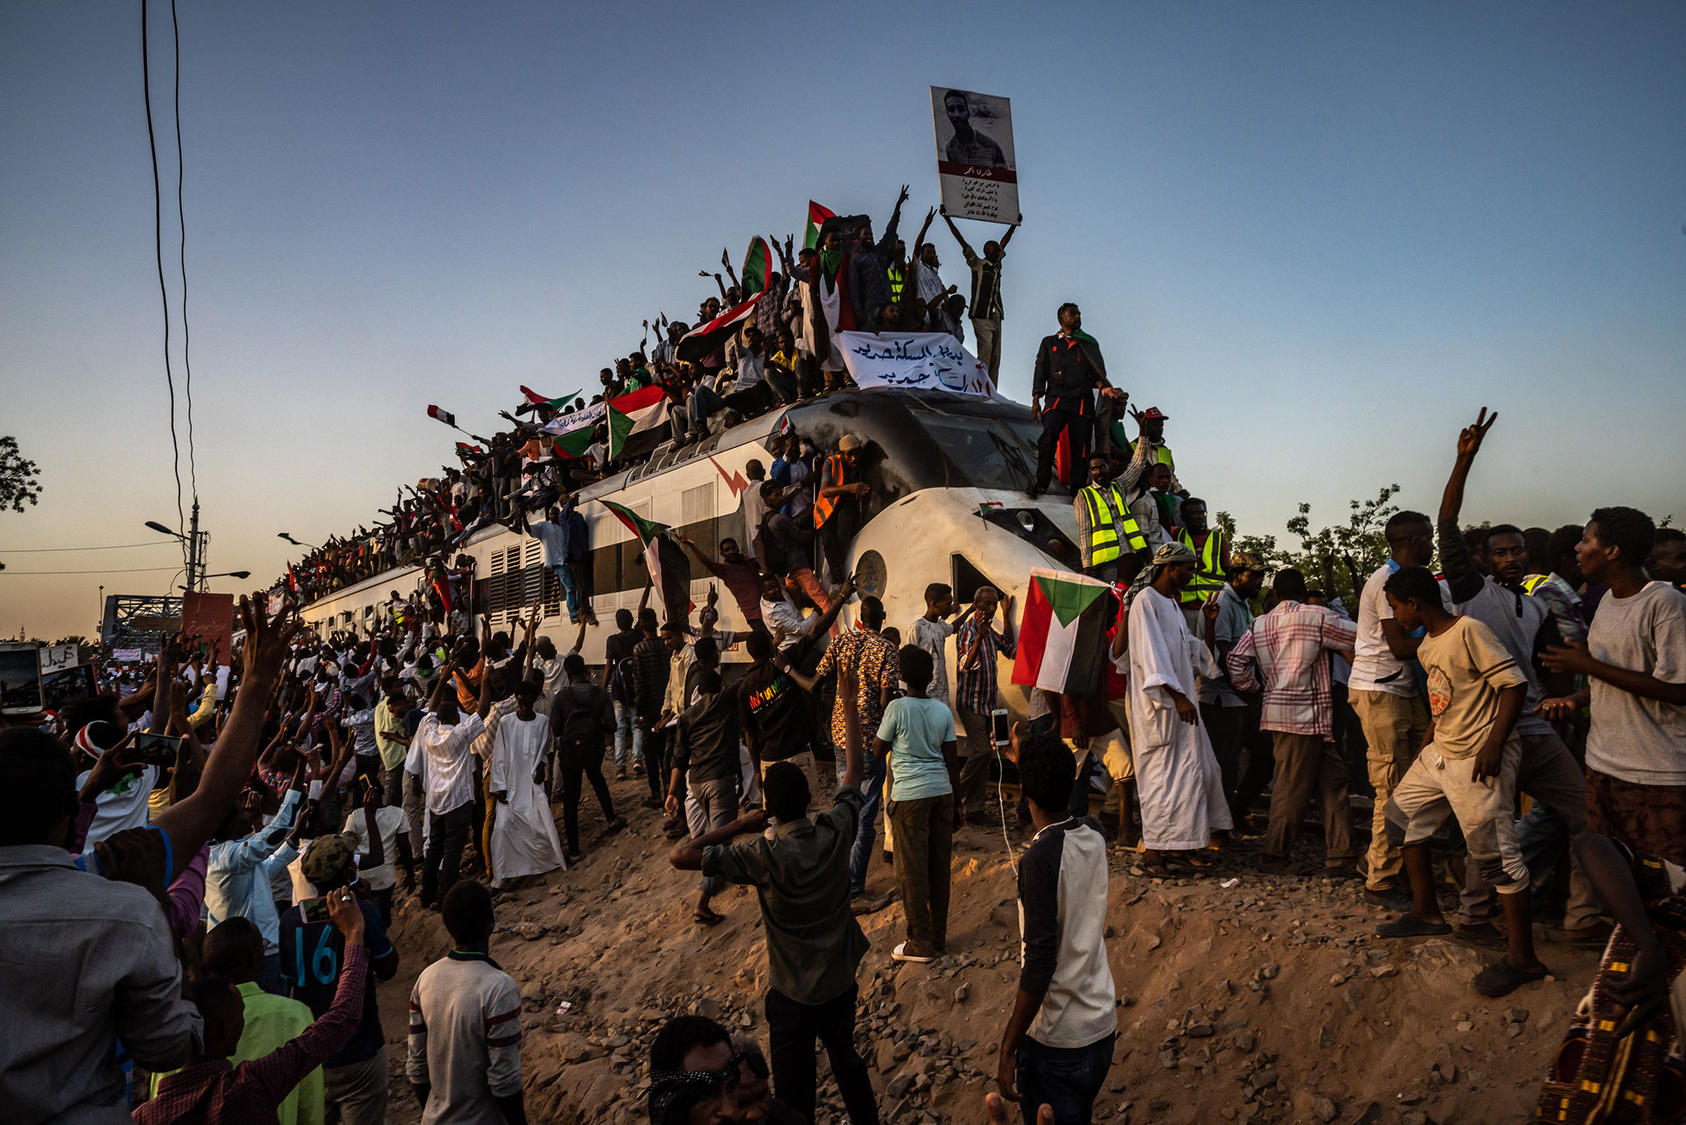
(327, 857)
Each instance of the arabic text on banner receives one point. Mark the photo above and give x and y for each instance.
(932, 361)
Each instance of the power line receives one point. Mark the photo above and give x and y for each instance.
(108, 547)
(158, 256)
(181, 220)
(129, 570)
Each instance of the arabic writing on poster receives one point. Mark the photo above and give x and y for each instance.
(914, 360)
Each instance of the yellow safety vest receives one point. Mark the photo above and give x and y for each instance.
(896, 282)
(1208, 566)
(1103, 532)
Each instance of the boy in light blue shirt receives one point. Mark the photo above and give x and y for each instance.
(918, 735)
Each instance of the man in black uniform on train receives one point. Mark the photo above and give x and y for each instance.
(1069, 368)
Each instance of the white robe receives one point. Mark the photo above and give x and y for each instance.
(1177, 774)
(524, 840)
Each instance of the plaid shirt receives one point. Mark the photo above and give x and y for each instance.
(215, 1091)
(974, 683)
(1287, 649)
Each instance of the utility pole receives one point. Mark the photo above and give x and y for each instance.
(195, 553)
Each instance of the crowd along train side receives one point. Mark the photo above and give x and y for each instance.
(948, 472)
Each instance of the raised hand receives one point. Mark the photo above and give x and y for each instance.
(901, 198)
(112, 766)
(1470, 438)
(347, 915)
(268, 641)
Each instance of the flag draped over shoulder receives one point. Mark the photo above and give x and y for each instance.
(669, 566)
(757, 264)
(442, 586)
(1062, 639)
(817, 216)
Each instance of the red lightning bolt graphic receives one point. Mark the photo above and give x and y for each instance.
(734, 480)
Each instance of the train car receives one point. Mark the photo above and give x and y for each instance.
(948, 472)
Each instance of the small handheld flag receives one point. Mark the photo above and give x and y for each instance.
(757, 264)
(444, 416)
(817, 216)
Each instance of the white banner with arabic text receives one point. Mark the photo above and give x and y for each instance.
(930, 361)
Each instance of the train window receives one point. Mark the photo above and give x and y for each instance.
(984, 453)
(697, 516)
(968, 579)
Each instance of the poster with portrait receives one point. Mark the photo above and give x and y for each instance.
(975, 164)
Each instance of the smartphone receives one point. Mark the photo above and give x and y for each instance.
(315, 910)
(67, 685)
(998, 729)
(20, 679)
(157, 749)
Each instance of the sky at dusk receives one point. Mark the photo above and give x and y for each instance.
(1318, 236)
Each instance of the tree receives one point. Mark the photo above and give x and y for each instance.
(19, 477)
(1357, 546)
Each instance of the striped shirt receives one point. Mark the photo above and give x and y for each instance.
(465, 1038)
(1283, 652)
(975, 682)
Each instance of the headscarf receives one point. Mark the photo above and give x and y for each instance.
(674, 1092)
(1169, 554)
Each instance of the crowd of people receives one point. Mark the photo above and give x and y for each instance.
(769, 339)
(197, 876)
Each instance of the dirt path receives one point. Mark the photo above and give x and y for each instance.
(1268, 1001)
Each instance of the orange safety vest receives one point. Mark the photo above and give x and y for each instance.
(824, 505)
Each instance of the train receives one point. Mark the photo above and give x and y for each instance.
(949, 474)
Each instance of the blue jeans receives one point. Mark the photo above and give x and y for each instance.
(1066, 1078)
(866, 832)
(627, 731)
(570, 592)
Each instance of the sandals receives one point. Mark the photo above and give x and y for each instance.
(707, 918)
(1409, 925)
(1501, 978)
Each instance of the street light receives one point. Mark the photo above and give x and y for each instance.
(195, 540)
(241, 574)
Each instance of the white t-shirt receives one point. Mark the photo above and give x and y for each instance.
(1642, 741)
(389, 822)
(1374, 667)
(932, 636)
(120, 808)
